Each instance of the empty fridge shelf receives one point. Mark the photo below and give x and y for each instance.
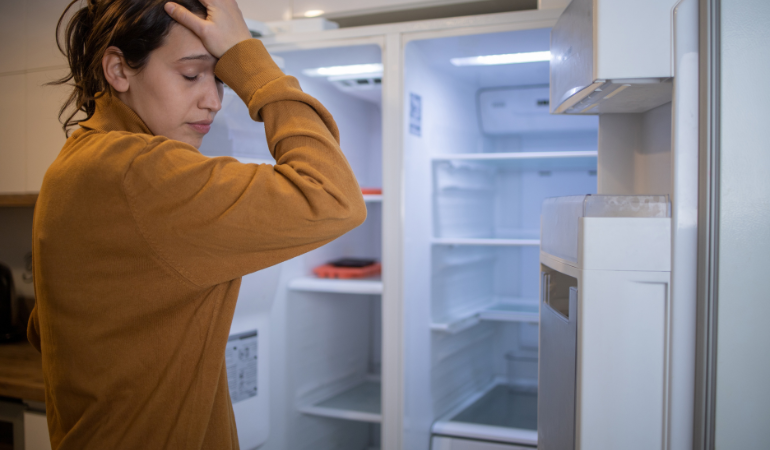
(512, 312)
(501, 413)
(503, 310)
(368, 286)
(360, 403)
(555, 160)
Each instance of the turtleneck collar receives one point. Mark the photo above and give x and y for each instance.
(113, 115)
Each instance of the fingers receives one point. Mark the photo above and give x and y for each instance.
(183, 16)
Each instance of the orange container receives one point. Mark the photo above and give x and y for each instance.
(330, 271)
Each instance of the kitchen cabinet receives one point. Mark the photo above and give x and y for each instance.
(40, 21)
(12, 134)
(12, 36)
(30, 133)
(44, 135)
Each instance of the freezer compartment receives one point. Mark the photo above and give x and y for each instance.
(501, 413)
(356, 109)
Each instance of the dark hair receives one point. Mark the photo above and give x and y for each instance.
(136, 27)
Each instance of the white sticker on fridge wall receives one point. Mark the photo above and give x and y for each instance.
(415, 114)
(241, 362)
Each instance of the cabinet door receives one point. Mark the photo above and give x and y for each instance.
(12, 36)
(44, 135)
(12, 137)
(36, 431)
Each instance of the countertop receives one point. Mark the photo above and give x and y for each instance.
(21, 372)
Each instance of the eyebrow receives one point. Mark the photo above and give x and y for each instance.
(202, 56)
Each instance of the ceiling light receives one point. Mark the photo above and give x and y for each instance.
(510, 58)
(356, 69)
(313, 13)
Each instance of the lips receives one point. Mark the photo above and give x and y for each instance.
(202, 126)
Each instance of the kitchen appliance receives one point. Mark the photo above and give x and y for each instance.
(604, 321)
(465, 155)
(8, 331)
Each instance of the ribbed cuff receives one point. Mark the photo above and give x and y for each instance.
(246, 67)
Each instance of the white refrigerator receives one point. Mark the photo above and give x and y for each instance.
(441, 351)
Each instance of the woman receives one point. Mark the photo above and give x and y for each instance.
(140, 241)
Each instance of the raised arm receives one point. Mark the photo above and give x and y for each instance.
(214, 219)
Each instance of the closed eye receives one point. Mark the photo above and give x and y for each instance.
(193, 78)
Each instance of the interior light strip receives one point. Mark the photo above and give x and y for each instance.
(333, 71)
(509, 58)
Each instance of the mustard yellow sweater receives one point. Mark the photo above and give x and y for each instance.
(139, 246)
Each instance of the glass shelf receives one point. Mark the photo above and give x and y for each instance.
(373, 198)
(503, 310)
(557, 160)
(486, 241)
(361, 403)
(367, 286)
(499, 413)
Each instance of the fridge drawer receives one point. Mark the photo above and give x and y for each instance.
(450, 443)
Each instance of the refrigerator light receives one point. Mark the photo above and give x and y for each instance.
(313, 13)
(355, 69)
(509, 58)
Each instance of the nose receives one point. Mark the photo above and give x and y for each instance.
(211, 97)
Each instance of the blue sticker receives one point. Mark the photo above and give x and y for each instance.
(415, 114)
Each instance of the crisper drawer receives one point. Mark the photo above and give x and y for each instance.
(450, 443)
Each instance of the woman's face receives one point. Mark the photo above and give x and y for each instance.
(176, 93)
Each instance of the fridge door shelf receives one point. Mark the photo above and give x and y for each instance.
(500, 413)
(365, 286)
(554, 160)
(361, 403)
(486, 241)
(503, 310)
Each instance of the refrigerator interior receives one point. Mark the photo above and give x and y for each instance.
(326, 351)
(481, 153)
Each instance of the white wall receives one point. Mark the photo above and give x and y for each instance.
(743, 335)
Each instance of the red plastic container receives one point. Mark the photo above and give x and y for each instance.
(330, 271)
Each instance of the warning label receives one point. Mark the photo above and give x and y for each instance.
(241, 361)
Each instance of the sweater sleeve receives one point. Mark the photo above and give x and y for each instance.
(215, 219)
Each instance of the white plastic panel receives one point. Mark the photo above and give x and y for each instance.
(561, 236)
(524, 110)
(252, 312)
(623, 333)
(624, 244)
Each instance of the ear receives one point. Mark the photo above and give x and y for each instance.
(115, 69)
